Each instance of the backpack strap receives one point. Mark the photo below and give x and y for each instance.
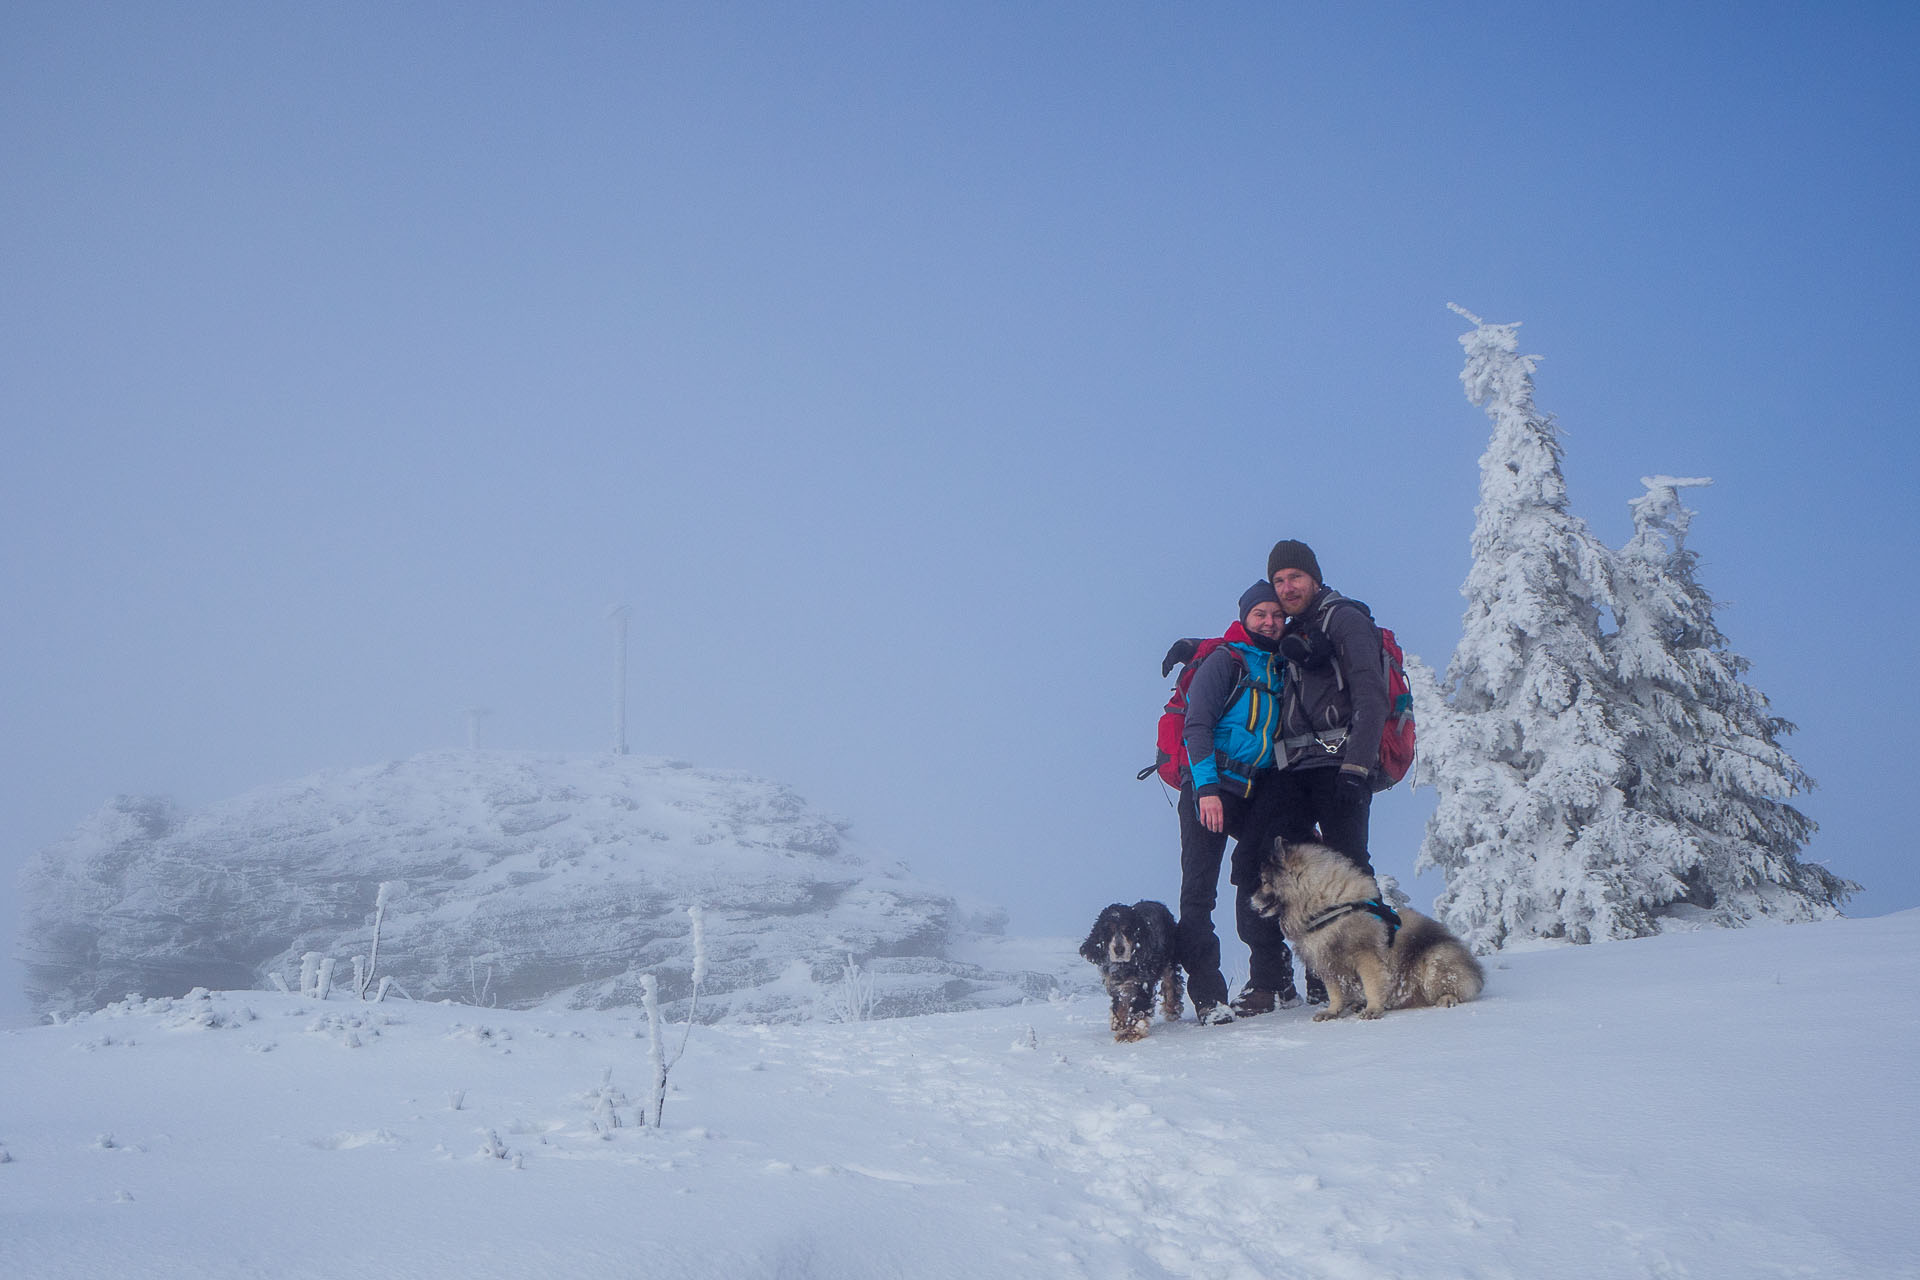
(1241, 677)
(1335, 598)
(1221, 762)
(1320, 621)
(1329, 741)
(1240, 769)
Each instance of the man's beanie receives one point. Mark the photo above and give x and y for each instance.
(1289, 554)
(1259, 593)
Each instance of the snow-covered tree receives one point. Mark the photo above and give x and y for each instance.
(1705, 751)
(1527, 738)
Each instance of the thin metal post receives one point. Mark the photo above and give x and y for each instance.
(619, 614)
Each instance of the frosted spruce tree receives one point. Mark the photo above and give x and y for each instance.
(1704, 753)
(1527, 739)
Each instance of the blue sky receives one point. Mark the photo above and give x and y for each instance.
(915, 372)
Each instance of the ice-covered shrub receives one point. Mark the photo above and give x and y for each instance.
(852, 998)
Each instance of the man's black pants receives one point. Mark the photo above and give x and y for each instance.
(1304, 799)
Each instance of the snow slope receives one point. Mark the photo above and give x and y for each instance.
(1729, 1103)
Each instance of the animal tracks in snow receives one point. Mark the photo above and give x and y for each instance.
(1132, 1137)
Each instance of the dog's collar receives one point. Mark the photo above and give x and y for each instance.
(1372, 906)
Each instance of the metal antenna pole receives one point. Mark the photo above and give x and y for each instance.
(619, 614)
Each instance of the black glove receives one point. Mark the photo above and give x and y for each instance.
(1309, 649)
(1178, 656)
(1352, 784)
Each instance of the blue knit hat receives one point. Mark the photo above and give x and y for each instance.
(1260, 592)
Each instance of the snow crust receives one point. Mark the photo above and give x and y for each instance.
(513, 879)
(1722, 1103)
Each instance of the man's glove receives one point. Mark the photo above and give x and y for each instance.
(1353, 783)
(1308, 649)
(1178, 656)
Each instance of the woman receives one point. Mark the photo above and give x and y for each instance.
(1233, 717)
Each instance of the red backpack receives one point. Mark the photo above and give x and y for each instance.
(1170, 742)
(1396, 736)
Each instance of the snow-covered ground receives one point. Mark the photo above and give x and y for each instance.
(1716, 1104)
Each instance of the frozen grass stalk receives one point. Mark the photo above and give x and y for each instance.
(699, 918)
(362, 979)
(479, 988)
(656, 1054)
(650, 997)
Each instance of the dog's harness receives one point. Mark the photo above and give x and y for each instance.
(1372, 906)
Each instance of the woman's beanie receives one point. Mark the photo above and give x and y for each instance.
(1259, 593)
(1289, 554)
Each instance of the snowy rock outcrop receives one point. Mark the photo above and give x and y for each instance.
(516, 880)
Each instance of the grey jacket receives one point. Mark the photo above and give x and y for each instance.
(1333, 714)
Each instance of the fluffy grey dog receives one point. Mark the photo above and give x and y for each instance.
(1134, 948)
(1331, 911)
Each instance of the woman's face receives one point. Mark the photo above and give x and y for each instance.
(1265, 621)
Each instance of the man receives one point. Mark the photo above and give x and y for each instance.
(1333, 710)
(1231, 750)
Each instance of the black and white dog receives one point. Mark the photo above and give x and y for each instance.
(1135, 951)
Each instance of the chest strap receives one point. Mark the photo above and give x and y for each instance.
(1372, 906)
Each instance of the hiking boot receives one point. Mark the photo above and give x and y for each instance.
(1316, 989)
(1253, 1001)
(1287, 997)
(1212, 1015)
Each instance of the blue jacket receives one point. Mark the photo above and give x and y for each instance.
(1233, 716)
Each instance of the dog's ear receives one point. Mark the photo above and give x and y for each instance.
(1095, 947)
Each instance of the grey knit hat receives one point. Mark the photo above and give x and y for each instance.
(1289, 554)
